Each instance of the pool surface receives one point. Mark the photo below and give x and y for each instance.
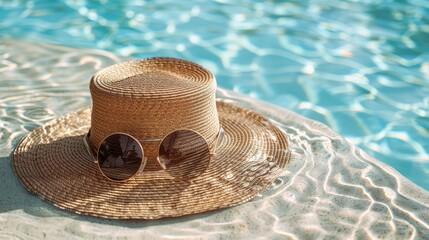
(330, 190)
(362, 67)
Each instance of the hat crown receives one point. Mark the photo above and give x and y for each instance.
(151, 98)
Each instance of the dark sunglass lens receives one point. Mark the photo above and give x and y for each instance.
(120, 156)
(184, 154)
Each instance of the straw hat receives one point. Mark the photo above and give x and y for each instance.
(148, 99)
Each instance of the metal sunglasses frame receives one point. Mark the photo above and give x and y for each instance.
(212, 147)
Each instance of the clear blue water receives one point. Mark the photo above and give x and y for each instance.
(361, 67)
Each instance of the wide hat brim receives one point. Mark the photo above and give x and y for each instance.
(52, 162)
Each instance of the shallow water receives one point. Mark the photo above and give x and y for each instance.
(331, 189)
(361, 67)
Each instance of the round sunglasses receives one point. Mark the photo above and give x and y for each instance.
(184, 154)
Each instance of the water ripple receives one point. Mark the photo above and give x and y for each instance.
(331, 189)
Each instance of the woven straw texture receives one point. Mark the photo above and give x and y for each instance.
(52, 162)
(160, 95)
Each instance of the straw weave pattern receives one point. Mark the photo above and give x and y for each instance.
(52, 162)
(150, 98)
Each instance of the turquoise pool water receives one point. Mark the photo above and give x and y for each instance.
(362, 67)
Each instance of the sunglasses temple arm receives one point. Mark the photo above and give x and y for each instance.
(217, 141)
(88, 147)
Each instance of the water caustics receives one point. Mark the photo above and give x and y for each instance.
(330, 188)
(361, 67)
